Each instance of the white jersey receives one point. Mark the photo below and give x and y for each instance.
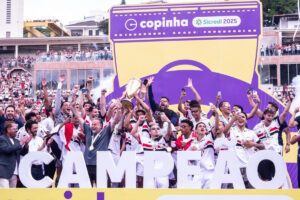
(164, 129)
(152, 145)
(115, 141)
(269, 135)
(187, 115)
(74, 144)
(222, 144)
(239, 137)
(225, 120)
(48, 124)
(131, 143)
(206, 146)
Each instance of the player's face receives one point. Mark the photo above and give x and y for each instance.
(155, 131)
(201, 129)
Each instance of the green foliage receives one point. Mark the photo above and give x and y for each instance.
(103, 26)
(275, 7)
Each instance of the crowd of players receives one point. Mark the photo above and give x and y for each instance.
(74, 122)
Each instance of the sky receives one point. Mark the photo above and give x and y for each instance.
(67, 11)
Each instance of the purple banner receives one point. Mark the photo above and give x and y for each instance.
(185, 21)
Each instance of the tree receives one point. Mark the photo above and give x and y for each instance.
(276, 7)
(103, 26)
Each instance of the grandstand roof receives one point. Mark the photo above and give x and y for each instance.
(85, 23)
(53, 40)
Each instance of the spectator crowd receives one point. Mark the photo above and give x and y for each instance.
(277, 50)
(68, 55)
(9, 62)
(281, 93)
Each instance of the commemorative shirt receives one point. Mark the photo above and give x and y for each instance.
(269, 135)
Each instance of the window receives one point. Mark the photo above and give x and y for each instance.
(97, 32)
(268, 74)
(8, 11)
(292, 72)
(108, 72)
(90, 32)
(284, 74)
(8, 34)
(288, 72)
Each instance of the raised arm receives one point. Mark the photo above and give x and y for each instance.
(77, 115)
(190, 85)
(217, 120)
(254, 109)
(146, 108)
(111, 109)
(117, 118)
(229, 125)
(127, 120)
(180, 108)
(89, 87)
(62, 78)
(286, 109)
(259, 113)
(293, 123)
(103, 102)
(153, 105)
(134, 131)
(46, 96)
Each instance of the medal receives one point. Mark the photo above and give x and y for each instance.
(268, 141)
(169, 149)
(116, 139)
(92, 142)
(91, 148)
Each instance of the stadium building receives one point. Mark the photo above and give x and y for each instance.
(77, 57)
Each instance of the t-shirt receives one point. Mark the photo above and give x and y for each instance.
(100, 143)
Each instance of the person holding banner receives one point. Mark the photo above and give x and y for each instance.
(268, 131)
(246, 142)
(204, 142)
(283, 126)
(36, 144)
(157, 142)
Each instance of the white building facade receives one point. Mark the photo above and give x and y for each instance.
(11, 18)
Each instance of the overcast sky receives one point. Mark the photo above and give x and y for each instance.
(72, 10)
